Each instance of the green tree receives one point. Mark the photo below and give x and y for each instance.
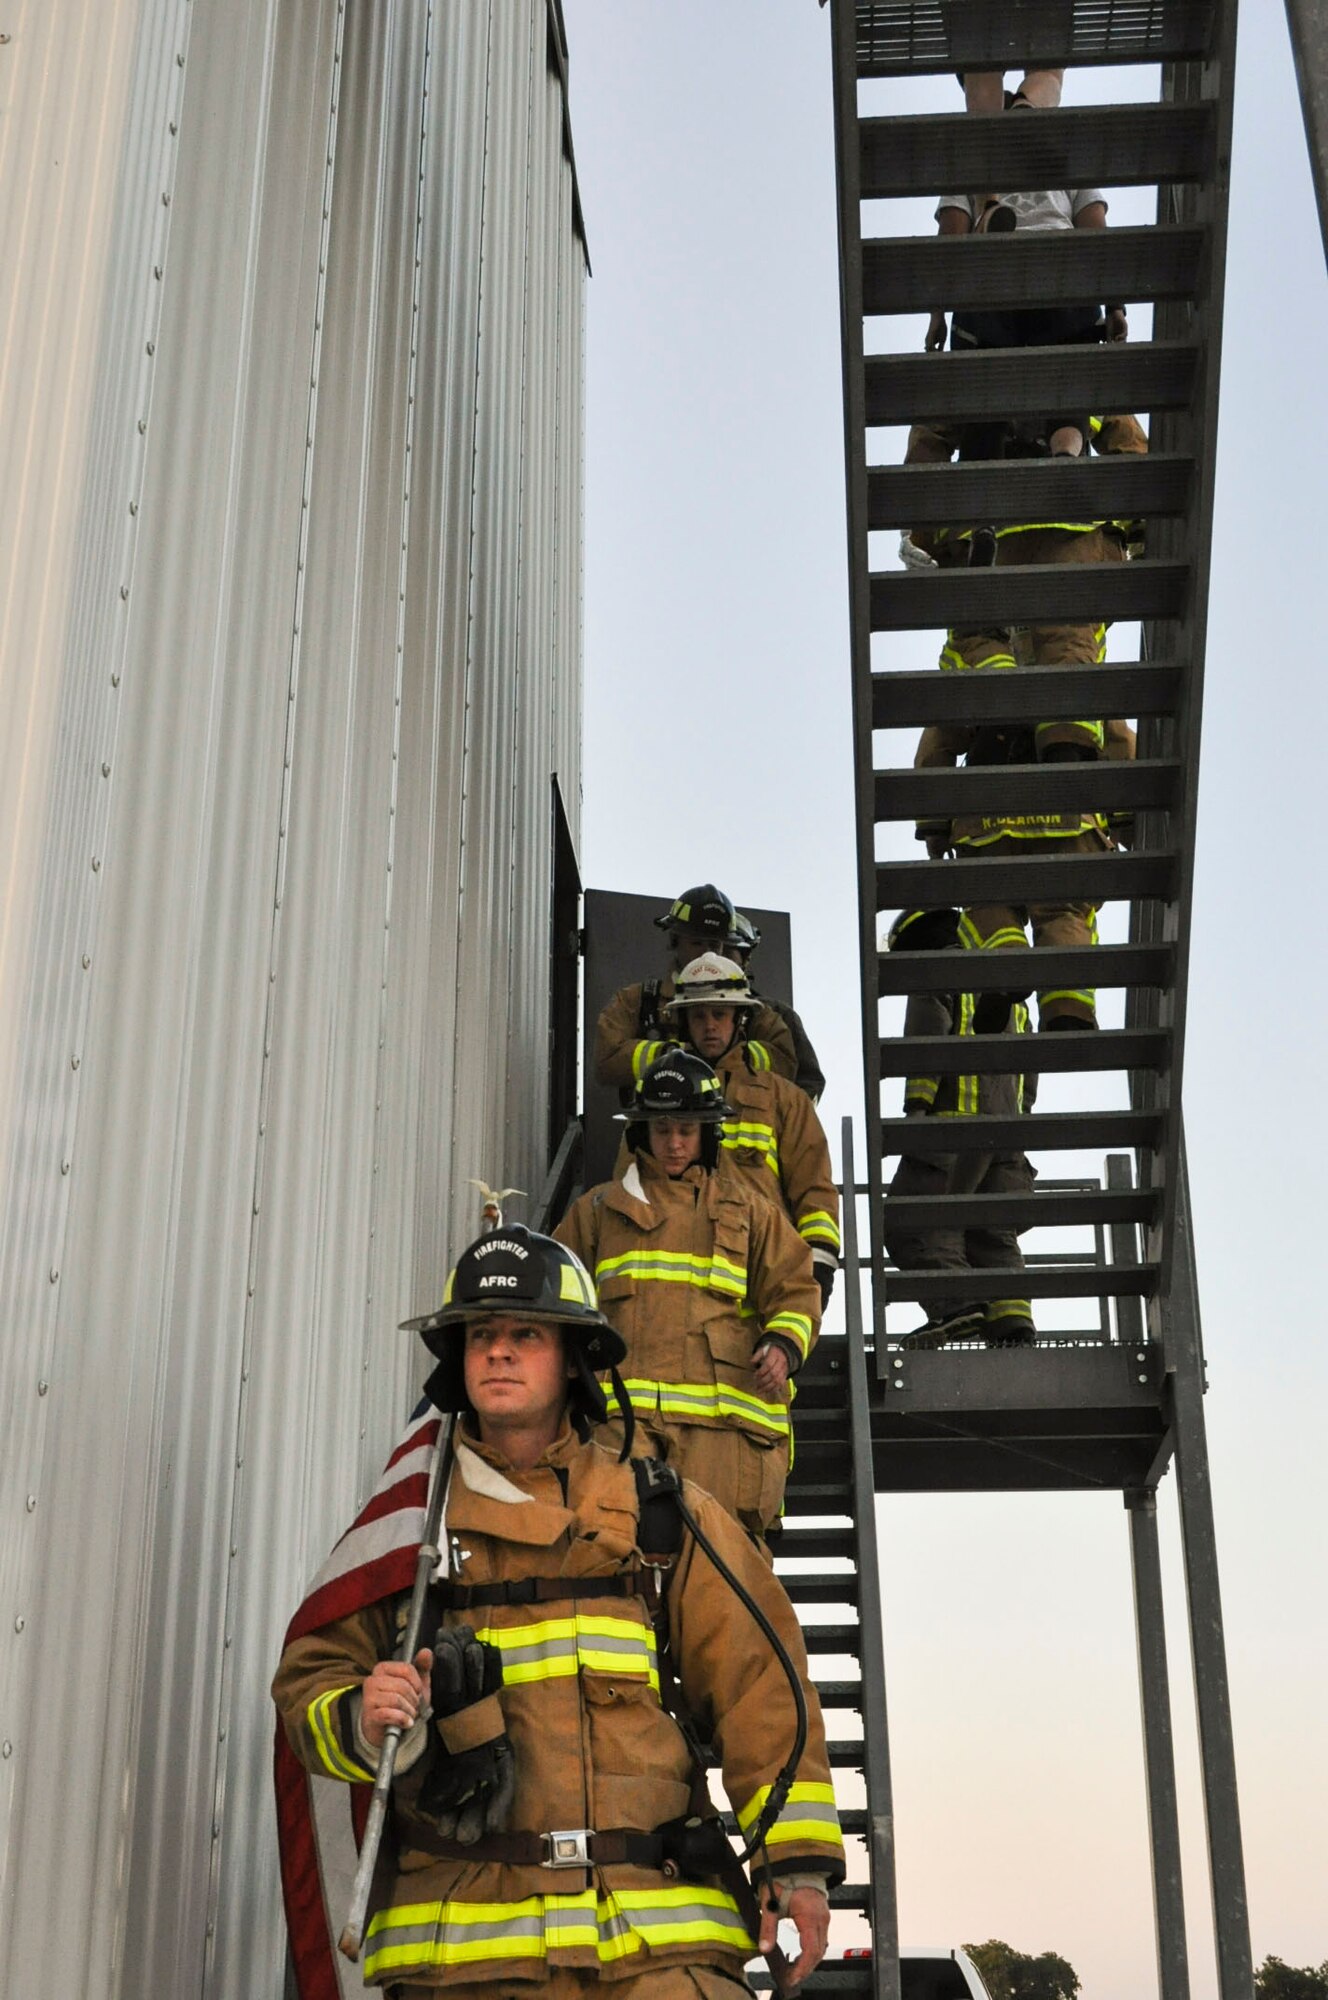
(1016, 1975)
(1276, 1981)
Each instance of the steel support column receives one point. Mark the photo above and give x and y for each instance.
(1308, 22)
(1184, 1353)
(882, 1910)
(1173, 1971)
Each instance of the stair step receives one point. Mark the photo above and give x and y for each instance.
(1119, 486)
(1100, 145)
(840, 1694)
(1048, 1208)
(1049, 1055)
(821, 1589)
(1092, 878)
(818, 1542)
(832, 1639)
(1105, 787)
(1023, 694)
(1027, 593)
(847, 1753)
(937, 37)
(817, 1496)
(1055, 1281)
(850, 1896)
(1057, 267)
(901, 972)
(1027, 382)
(1056, 1131)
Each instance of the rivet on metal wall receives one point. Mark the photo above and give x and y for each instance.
(133, 506)
(96, 865)
(142, 426)
(1143, 1378)
(6, 1749)
(165, 199)
(42, 1387)
(32, 1503)
(156, 271)
(174, 128)
(124, 593)
(152, 347)
(19, 1623)
(115, 680)
(64, 1166)
(74, 1062)
(179, 60)
(86, 961)
(55, 1275)
(106, 770)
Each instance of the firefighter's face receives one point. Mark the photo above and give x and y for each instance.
(711, 1029)
(675, 1143)
(688, 945)
(516, 1370)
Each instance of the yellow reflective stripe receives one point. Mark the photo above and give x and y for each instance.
(323, 1729)
(1033, 527)
(614, 1923)
(922, 1087)
(705, 1402)
(643, 1055)
(797, 1326)
(953, 659)
(554, 1648)
(716, 1273)
(1009, 1309)
(1088, 995)
(799, 1820)
(819, 1226)
(751, 1135)
(1033, 826)
(758, 1055)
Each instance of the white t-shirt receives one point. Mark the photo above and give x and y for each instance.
(1053, 208)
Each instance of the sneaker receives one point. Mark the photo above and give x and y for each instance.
(982, 548)
(1010, 1330)
(962, 1324)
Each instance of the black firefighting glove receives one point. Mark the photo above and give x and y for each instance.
(471, 1787)
(824, 1275)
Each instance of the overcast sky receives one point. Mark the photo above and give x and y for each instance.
(718, 745)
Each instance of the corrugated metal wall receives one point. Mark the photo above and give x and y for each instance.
(290, 413)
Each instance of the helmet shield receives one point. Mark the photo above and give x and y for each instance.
(712, 981)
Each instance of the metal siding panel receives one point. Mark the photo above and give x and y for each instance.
(478, 1136)
(330, 710)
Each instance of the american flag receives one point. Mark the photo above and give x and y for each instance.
(319, 1820)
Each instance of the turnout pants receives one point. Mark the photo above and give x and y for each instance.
(1000, 926)
(659, 1982)
(961, 1250)
(747, 1477)
(1061, 645)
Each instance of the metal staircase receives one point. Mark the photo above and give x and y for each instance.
(1093, 1410)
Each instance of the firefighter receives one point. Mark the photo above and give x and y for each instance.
(774, 1136)
(629, 1033)
(740, 944)
(547, 1824)
(1004, 1322)
(711, 1287)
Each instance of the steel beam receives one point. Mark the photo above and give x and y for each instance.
(1173, 1972)
(1308, 22)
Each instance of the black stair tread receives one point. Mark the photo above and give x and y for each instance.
(1106, 787)
(1049, 1055)
(820, 1589)
(1095, 878)
(803, 1498)
(1052, 1131)
(1046, 1208)
(1118, 486)
(1026, 593)
(1022, 694)
(1057, 1281)
(818, 1542)
(1026, 382)
(900, 972)
(850, 1896)
(831, 1638)
(847, 1753)
(1057, 267)
(1117, 145)
(936, 37)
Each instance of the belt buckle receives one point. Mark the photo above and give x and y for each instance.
(568, 1848)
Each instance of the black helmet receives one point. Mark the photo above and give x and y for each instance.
(924, 930)
(678, 1084)
(705, 911)
(515, 1270)
(743, 937)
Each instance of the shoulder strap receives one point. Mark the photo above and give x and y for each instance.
(649, 1017)
(657, 1490)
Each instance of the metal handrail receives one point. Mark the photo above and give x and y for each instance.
(558, 1182)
